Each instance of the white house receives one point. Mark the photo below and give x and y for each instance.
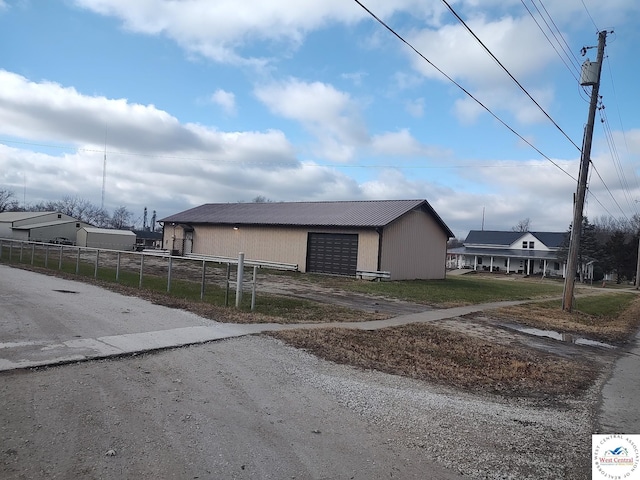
(528, 253)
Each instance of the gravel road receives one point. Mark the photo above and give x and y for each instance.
(254, 408)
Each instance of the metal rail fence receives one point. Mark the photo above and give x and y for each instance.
(146, 268)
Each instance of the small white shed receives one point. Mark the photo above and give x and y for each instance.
(106, 238)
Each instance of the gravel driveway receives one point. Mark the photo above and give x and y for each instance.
(252, 408)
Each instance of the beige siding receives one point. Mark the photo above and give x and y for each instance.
(368, 250)
(283, 245)
(275, 244)
(414, 246)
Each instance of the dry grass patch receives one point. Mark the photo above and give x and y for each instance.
(429, 353)
(616, 326)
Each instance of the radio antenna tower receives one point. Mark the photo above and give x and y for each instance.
(104, 168)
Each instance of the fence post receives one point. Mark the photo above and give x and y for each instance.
(60, 259)
(253, 288)
(46, 256)
(169, 274)
(95, 272)
(78, 261)
(10, 250)
(118, 268)
(239, 279)
(204, 272)
(1, 242)
(33, 252)
(21, 248)
(141, 268)
(226, 291)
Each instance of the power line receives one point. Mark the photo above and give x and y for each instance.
(469, 94)
(573, 71)
(455, 14)
(589, 14)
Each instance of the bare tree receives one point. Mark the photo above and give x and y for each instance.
(7, 201)
(121, 218)
(261, 199)
(523, 225)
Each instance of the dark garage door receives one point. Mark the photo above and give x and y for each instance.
(335, 253)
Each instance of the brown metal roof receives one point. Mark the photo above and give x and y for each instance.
(373, 213)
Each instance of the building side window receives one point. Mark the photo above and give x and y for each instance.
(479, 260)
(525, 244)
(531, 244)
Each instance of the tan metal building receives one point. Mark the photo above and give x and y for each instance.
(106, 238)
(406, 238)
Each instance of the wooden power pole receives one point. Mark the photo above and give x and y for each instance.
(578, 206)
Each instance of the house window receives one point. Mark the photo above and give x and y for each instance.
(531, 244)
(506, 262)
(525, 244)
(479, 260)
(556, 266)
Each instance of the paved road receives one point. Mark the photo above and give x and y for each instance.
(47, 320)
(620, 407)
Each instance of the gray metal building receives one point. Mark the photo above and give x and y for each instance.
(404, 237)
(38, 226)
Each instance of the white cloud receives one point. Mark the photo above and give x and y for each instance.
(402, 143)
(329, 114)
(415, 107)
(226, 100)
(220, 30)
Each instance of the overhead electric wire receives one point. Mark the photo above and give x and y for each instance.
(622, 129)
(415, 50)
(611, 194)
(573, 71)
(589, 14)
(616, 159)
(560, 34)
(455, 14)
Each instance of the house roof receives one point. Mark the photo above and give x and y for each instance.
(48, 224)
(109, 231)
(17, 216)
(493, 237)
(373, 213)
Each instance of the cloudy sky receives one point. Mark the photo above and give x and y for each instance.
(196, 101)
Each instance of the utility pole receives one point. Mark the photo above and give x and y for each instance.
(578, 206)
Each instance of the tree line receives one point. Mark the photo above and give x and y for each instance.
(611, 244)
(76, 207)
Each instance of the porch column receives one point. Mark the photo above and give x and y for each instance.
(508, 264)
(491, 264)
(544, 270)
(475, 262)
(564, 270)
(529, 266)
